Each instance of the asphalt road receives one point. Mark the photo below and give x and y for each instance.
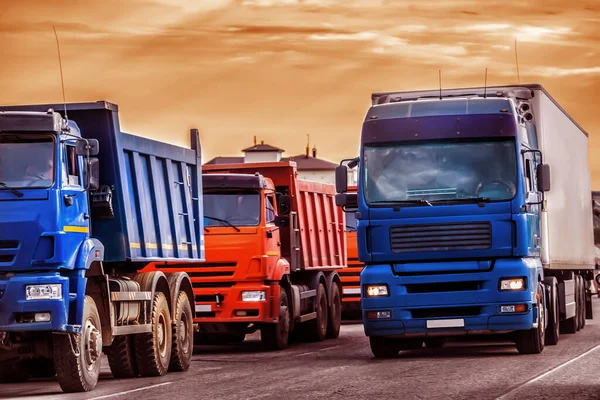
(344, 368)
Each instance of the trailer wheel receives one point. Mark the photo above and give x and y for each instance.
(532, 341)
(335, 313)
(581, 302)
(316, 329)
(553, 330)
(78, 357)
(276, 336)
(153, 350)
(383, 347)
(183, 335)
(121, 358)
(14, 371)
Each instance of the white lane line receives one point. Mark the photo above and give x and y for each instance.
(318, 351)
(131, 391)
(545, 374)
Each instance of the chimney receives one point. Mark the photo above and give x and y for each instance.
(255, 140)
(307, 146)
(314, 151)
(262, 142)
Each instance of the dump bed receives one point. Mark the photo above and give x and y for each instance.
(155, 188)
(320, 223)
(569, 222)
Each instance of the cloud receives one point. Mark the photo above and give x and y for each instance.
(564, 72)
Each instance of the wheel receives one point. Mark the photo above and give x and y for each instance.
(14, 371)
(275, 336)
(383, 347)
(578, 303)
(553, 329)
(77, 357)
(532, 341)
(316, 329)
(436, 343)
(121, 357)
(335, 313)
(183, 335)
(153, 350)
(582, 302)
(42, 368)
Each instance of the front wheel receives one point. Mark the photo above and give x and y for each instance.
(276, 336)
(77, 357)
(383, 347)
(532, 341)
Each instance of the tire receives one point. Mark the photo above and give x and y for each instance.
(553, 329)
(335, 313)
(582, 302)
(276, 336)
(183, 335)
(14, 371)
(121, 357)
(316, 329)
(532, 341)
(78, 357)
(153, 350)
(436, 343)
(383, 347)
(578, 303)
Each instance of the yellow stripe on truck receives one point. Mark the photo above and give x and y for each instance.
(80, 229)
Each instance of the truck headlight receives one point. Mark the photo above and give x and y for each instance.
(512, 284)
(254, 295)
(43, 292)
(377, 290)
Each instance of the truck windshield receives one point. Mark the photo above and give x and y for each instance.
(232, 208)
(26, 161)
(442, 171)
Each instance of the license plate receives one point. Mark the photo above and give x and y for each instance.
(351, 290)
(446, 323)
(203, 308)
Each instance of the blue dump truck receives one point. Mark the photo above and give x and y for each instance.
(474, 218)
(84, 209)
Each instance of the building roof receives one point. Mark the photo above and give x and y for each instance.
(225, 160)
(305, 163)
(262, 148)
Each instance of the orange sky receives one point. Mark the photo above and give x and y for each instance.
(280, 69)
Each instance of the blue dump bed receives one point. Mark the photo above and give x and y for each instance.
(156, 189)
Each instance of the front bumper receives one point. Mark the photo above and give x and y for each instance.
(450, 304)
(230, 305)
(15, 308)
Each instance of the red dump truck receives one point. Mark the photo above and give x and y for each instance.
(273, 245)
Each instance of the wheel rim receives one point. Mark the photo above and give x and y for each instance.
(183, 333)
(162, 336)
(92, 339)
(322, 313)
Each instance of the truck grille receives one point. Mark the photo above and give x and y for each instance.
(444, 237)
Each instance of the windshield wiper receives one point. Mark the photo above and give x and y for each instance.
(15, 191)
(415, 201)
(351, 228)
(224, 221)
(480, 200)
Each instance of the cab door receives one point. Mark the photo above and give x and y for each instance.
(74, 207)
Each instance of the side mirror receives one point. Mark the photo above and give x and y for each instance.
(84, 145)
(91, 174)
(543, 177)
(341, 179)
(281, 221)
(284, 204)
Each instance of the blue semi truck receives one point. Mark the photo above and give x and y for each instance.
(461, 225)
(84, 209)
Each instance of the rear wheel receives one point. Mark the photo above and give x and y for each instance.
(532, 341)
(582, 302)
(578, 303)
(316, 329)
(183, 335)
(121, 358)
(335, 312)
(436, 343)
(276, 336)
(153, 350)
(77, 357)
(553, 329)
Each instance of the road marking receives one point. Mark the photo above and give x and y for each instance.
(545, 374)
(318, 351)
(131, 391)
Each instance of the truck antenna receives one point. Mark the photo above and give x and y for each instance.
(517, 62)
(62, 82)
(485, 85)
(440, 74)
